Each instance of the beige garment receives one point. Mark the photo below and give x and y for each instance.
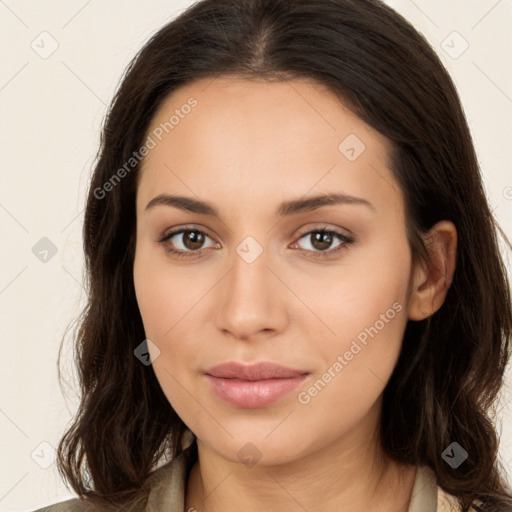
(168, 484)
(426, 495)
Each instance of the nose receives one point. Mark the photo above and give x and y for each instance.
(252, 301)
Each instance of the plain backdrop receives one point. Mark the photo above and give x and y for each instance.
(61, 62)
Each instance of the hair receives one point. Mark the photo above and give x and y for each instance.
(451, 367)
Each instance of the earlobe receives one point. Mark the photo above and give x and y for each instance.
(430, 281)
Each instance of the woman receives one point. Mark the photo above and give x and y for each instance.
(297, 300)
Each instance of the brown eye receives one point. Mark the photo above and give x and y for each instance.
(186, 241)
(193, 240)
(321, 240)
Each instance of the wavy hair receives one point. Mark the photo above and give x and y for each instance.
(450, 370)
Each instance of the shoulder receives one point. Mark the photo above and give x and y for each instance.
(72, 505)
(79, 505)
(165, 491)
(428, 496)
(448, 503)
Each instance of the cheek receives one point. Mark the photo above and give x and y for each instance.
(368, 315)
(367, 291)
(164, 293)
(163, 304)
(147, 291)
(357, 365)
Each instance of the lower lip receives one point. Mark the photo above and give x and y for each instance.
(253, 394)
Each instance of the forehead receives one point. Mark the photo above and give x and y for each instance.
(262, 139)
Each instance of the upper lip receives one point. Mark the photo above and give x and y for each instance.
(258, 371)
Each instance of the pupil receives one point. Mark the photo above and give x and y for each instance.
(194, 240)
(324, 239)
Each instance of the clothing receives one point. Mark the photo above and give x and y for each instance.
(168, 484)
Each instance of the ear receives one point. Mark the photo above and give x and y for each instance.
(430, 281)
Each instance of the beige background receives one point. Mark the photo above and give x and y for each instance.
(52, 109)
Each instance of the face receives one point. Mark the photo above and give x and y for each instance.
(264, 273)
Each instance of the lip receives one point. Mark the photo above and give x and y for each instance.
(253, 386)
(257, 371)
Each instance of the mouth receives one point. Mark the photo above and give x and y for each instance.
(253, 386)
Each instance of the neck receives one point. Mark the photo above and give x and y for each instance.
(350, 473)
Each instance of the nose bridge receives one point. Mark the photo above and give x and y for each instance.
(249, 267)
(250, 301)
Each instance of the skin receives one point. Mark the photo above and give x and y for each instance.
(246, 147)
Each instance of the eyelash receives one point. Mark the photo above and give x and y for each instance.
(346, 241)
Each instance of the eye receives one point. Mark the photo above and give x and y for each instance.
(189, 242)
(319, 240)
(192, 244)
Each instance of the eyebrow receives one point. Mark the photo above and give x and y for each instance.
(285, 209)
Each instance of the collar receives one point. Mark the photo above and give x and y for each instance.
(168, 485)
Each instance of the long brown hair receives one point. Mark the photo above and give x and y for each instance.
(451, 367)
